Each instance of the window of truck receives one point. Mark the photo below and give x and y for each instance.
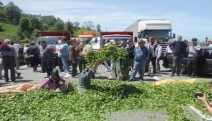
(105, 39)
(50, 40)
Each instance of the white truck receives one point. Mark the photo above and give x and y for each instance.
(160, 29)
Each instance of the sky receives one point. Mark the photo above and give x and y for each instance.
(189, 18)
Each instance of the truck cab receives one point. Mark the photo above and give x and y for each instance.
(117, 36)
(91, 37)
(160, 29)
(51, 37)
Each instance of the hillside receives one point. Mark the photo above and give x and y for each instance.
(9, 31)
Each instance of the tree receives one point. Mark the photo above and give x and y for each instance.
(1, 28)
(70, 27)
(34, 23)
(1, 4)
(98, 28)
(89, 25)
(23, 28)
(13, 12)
(76, 25)
(59, 25)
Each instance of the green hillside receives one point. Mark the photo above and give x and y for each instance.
(9, 31)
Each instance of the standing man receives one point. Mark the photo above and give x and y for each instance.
(16, 58)
(8, 56)
(141, 56)
(158, 52)
(33, 53)
(179, 48)
(130, 50)
(47, 56)
(17, 55)
(58, 60)
(192, 62)
(152, 56)
(73, 57)
(63, 49)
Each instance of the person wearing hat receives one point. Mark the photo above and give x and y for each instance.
(192, 61)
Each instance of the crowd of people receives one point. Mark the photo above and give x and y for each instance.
(67, 53)
(71, 53)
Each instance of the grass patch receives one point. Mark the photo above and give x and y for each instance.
(103, 97)
(9, 30)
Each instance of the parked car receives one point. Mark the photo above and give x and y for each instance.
(204, 61)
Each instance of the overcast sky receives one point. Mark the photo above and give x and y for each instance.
(189, 18)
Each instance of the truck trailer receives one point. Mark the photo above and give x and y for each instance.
(159, 29)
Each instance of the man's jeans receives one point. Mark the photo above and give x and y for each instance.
(177, 61)
(138, 65)
(65, 63)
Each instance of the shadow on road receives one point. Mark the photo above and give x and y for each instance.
(101, 77)
(151, 80)
(23, 81)
(122, 91)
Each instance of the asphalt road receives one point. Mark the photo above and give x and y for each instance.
(28, 76)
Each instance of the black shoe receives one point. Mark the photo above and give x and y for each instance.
(192, 76)
(178, 74)
(130, 80)
(172, 75)
(18, 75)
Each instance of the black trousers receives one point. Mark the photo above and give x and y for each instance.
(43, 69)
(34, 61)
(74, 68)
(153, 61)
(9, 63)
(192, 66)
(82, 64)
(48, 66)
(58, 62)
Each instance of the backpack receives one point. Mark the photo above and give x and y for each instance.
(5, 47)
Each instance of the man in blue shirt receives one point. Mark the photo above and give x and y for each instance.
(140, 58)
(63, 49)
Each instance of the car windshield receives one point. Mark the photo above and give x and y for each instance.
(50, 40)
(207, 53)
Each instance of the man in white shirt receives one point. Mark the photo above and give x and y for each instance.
(192, 49)
(158, 52)
(17, 54)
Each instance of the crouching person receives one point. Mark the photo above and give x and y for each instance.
(57, 83)
(84, 79)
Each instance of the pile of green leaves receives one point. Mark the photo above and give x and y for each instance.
(104, 97)
(107, 53)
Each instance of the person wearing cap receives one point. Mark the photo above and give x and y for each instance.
(192, 61)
